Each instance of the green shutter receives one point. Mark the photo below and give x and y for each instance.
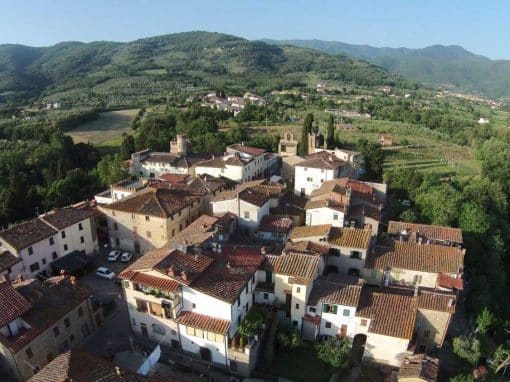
(335, 309)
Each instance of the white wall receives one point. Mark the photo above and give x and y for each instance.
(384, 349)
(344, 262)
(204, 304)
(310, 179)
(193, 344)
(337, 320)
(324, 215)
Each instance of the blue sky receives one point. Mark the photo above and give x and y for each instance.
(480, 26)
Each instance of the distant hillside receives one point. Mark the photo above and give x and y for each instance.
(443, 65)
(112, 72)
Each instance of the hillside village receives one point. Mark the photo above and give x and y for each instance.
(220, 254)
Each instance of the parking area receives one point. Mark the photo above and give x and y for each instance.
(105, 290)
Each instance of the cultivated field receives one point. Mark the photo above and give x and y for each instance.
(106, 130)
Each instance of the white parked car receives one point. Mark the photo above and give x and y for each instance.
(105, 273)
(113, 256)
(126, 256)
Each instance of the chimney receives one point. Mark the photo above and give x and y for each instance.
(73, 281)
(463, 251)
(184, 275)
(196, 257)
(420, 240)
(117, 371)
(416, 291)
(5, 278)
(228, 265)
(170, 271)
(450, 302)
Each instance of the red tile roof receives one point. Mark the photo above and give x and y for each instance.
(27, 233)
(271, 223)
(335, 291)
(62, 218)
(436, 300)
(230, 273)
(429, 258)
(322, 160)
(252, 196)
(197, 232)
(149, 280)
(254, 151)
(80, 366)
(350, 237)
(12, 304)
(432, 232)
(391, 312)
(7, 260)
(203, 322)
(299, 265)
(448, 282)
(308, 246)
(174, 178)
(310, 231)
(183, 267)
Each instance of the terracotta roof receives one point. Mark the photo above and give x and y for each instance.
(174, 178)
(299, 265)
(433, 232)
(204, 322)
(436, 300)
(62, 218)
(254, 197)
(80, 366)
(149, 280)
(417, 257)
(149, 259)
(158, 202)
(310, 231)
(325, 203)
(419, 366)
(206, 184)
(235, 161)
(12, 304)
(350, 237)
(47, 308)
(198, 232)
(271, 223)
(231, 271)
(231, 194)
(7, 260)
(308, 246)
(246, 149)
(322, 160)
(360, 191)
(391, 313)
(448, 282)
(335, 291)
(27, 233)
(366, 211)
(293, 200)
(183, 267)
(216, 162)
(269, 263)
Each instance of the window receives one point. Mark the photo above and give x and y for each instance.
(54, 255)
(67, 322)
(34, 267)
(312, 309)
(297, 306)
(346, 313)
(29, 353)
(43, 261)
(56, 331)
(142, 306)
(298, 289)
(335, 216)
(30, 251)
(65, 247)
(335, 252)
(328, 308)
(147, 218)
(364, 322)
(49, 357)
(417, 279)
(64, 346)
(426, 333)
(80, 312)
(309, 179)
(80, 227)
(246, 214)
(190, 330)
(193, 305)
(356, 255)
(149, 234)
(52, 241)
(63, 234)
(199, 333)
(266, 296)
(82, 239)
(115, 226)
(295, 323)
(327, 324)
(247, 306)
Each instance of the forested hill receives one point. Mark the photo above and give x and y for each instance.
(438, 64)
(150, 67)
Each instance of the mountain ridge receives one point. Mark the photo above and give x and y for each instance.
(447, 65)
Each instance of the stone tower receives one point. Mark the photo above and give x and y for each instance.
(288, 145)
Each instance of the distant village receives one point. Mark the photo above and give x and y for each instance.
(194, 244)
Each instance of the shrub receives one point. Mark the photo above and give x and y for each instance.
(253, 322)
(287, 336)
(334, 352)
(467, 349)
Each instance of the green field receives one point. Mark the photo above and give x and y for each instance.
(424, 150)
(106, 131)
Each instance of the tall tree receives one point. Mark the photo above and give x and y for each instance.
(127, 147)
(330, 132)
(307, 129)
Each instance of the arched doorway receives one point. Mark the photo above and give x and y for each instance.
(358, 348)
